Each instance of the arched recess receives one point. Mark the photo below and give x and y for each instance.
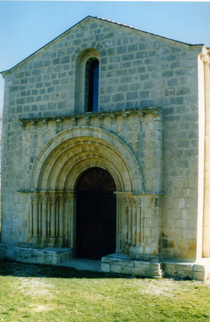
(85, 59)
(56, 173)
(72, 151)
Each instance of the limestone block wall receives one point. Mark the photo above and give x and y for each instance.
(137, 70)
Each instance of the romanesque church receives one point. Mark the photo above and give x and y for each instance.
(105, 153)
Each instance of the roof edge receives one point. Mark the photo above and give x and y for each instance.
(147, 32)
(5, 72)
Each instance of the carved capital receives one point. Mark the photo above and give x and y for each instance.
(35, 198)
(131, 201)
(52, 198)
(43, 198)
(137, 201)
(127, 201)
(60, 197)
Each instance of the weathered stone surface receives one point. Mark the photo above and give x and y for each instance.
(36, 256)
(117, 263)
(149, 133)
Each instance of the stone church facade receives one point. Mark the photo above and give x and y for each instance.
(105, 150)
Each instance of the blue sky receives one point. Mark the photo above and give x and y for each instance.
(25, 26)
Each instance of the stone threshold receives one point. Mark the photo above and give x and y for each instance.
(83, 264)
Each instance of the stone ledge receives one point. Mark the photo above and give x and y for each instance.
(118, 263)
(114, 263)
(122, 264)
(199, 270)
(48, 256)
(59, 118)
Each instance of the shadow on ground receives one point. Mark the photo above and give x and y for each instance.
(12, 268)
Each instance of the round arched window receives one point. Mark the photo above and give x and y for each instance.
(91, 86)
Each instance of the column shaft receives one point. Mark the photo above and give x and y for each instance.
(52, 223)
(44, 219)
(125, 224)
(61, 217)
(129, 224)
(138, 226)
(134, 226)
(35, 219)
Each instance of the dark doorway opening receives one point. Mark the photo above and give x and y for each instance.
(96, 215)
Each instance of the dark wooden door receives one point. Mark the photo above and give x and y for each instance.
(96, 215)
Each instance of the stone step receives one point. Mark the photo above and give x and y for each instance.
(83, 264)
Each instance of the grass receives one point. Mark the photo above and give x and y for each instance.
(45, 293)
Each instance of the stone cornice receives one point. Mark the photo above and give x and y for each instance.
(59, 118)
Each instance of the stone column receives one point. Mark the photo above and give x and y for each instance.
(52, 218)
(56, 216)
(60, 220)
(138, 226)
(48, 217)
(44, 216)
(124, 219)
(35, 205)
(39, 216)
(67, 222)
(30, 227)
(69, 214)
(134, 226)
(60, 216)
(118, 209)
(33, 229)
(129, 222)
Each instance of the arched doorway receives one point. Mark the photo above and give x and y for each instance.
(96, 214)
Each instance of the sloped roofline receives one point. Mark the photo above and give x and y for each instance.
(102, 19)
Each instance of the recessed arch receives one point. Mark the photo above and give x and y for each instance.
(72, 151)
(56, 173)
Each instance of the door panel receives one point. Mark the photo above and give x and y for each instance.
(86, 226)
(106, 225)
(96, 215)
